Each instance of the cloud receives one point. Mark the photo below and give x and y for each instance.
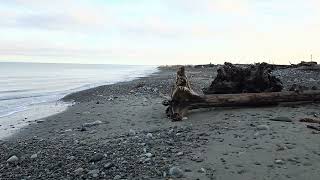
(45, 14)
(183, 30)
(229, 7)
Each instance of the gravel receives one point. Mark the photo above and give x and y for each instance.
(119, 156)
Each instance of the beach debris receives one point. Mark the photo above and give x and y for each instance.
(183, 98)
(13, 159)
(281, 118)
(310, 120)
(313, 127)
(176, 172)
(40, 121)
(233, 79)
(95, 123)
(309, 63)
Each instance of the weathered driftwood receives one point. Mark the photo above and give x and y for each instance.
(310, 120)
(252, 79)
(184, 99)
(181, 93)
(314, 127)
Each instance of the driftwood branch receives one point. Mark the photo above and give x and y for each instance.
(310, 120)
(184, 99)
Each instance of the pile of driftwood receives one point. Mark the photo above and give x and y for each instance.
(233, 86)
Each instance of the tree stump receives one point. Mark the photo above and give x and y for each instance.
(233, 79)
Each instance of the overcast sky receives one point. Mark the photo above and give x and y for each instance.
(159, 31)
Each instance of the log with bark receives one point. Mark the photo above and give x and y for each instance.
(183, 98)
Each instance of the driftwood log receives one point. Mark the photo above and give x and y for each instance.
(183, 98)
(233, 79)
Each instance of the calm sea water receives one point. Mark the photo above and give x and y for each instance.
(27, 84)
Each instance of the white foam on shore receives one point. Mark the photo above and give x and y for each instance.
(12, 124)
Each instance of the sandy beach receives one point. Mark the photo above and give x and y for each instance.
(120, 131)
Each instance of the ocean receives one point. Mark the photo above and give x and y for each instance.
(26, 85)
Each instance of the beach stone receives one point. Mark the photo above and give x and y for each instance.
(71, 158)
(78, 171)
(97, 157)
(202, 170)
(176, 172)
(132, 132)
(263, 127)
(83, 129)
(180, 153)
(94, 173)
(187, 170)
(108, 165)
(117, 177)
(13, 159)
(34, 156)
(149, 135)
(40, 121)
(149, 155)
(91, 124)
(279, 161)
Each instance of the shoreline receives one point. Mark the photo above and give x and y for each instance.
(120, 131)
(13, 123)
(34, 114)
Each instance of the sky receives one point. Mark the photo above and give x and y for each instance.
(159, 32)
